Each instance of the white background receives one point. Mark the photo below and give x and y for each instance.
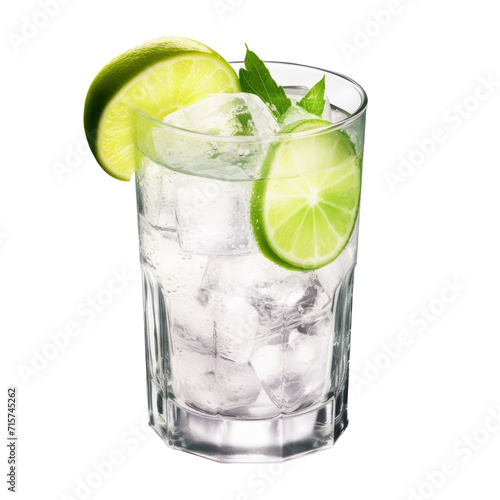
(62, 237)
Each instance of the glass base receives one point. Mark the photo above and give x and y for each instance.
(232, 440)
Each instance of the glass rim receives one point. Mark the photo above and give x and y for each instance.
(266, 138)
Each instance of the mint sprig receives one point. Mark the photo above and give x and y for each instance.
(256, 79)
(314, 101)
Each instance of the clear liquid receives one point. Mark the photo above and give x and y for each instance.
(242, 337)
(228, 331)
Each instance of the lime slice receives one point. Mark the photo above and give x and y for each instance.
(304, 213)
(157, 77)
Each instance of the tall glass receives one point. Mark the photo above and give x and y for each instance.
(247, 361)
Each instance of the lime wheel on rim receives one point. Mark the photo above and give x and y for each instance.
(157, 77)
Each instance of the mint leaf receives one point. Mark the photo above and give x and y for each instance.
(256, 79)
(313, 102)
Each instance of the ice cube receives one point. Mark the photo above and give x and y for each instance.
(235, 327)
(234, 276)
(223, 326)
(281, 297)
(295, 368)
(156, 194)
(308, 360)
(335, 114)
(328, 114)
(226, 114)
(193, 325)
(212, 384)
(213, 216)
(295, 114)
(180, 275)
(221, 114)
(294, 302)
(267, 361)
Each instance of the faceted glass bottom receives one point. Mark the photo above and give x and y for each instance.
(234, 440)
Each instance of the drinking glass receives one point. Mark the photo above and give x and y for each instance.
(247, 361)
